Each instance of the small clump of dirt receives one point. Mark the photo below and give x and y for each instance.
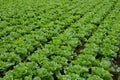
(116, 74)
(78, 49)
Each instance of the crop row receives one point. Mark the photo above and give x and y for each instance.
(43, 45)
(30, 20)
(95, 61)
(11, 57)
(32, 39)
(51, 53)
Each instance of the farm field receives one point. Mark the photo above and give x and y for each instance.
(59, 40)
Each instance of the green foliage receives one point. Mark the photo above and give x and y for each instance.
(42, 39)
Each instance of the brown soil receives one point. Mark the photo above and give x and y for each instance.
(118, 62)
(116, 74)
(78, 49)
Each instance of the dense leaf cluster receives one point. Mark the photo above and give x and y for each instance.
(38, 39)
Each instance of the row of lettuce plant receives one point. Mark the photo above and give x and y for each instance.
(95, 61)
(56, 54)
(28, 29)
(28, 42)
(29, 19)
(44, 33)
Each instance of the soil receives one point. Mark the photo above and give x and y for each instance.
(116, 74)
(78, 49)
(118, 62)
